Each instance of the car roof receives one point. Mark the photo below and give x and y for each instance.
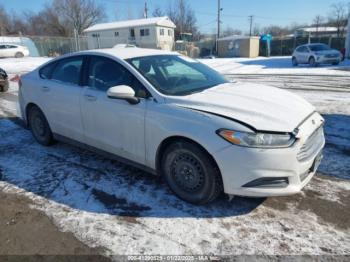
(129, 52)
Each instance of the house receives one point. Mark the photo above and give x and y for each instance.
(155, 32)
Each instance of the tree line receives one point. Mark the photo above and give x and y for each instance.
(65, 17)
(337, 17)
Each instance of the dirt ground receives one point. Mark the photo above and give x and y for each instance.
(26, 231)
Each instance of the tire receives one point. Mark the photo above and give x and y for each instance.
(40, 127)
(312, 62)
(191, 173)
(19, 55)
(294, 61)
(4, 85)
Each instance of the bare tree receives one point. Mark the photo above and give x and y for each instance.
(318, 21)
(229, 31)
(338, 17)
(157, 12)
(184, 18)
(79, 14)
(276, 30)
(256, 30)
(4, 21)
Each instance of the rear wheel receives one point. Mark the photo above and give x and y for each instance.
(40, 127)
(294, 61)
(19, 55)
(312, 61)
(191, 173)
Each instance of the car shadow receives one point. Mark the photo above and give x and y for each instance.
(336, 160)
(86, 181)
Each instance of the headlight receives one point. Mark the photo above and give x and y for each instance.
(263, 140)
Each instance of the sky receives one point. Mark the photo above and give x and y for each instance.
(235, 12)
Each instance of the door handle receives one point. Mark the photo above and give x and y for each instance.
(90, 97)
(45, 88)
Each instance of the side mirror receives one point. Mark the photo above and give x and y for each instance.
(123, 92)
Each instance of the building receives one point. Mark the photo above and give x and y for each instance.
(238, 46)
(155, 32)
(322, 31)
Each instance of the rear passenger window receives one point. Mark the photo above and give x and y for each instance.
(68, 70)
(46, 71)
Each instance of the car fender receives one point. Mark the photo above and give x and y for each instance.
(168, 120)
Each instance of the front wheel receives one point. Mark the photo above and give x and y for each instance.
(19, 55)
(191, 173)
(40, 127)
(312, 62)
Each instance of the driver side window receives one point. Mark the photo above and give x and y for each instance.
(104, 73)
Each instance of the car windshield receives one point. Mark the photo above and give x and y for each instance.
(176, 75)
(316, 48)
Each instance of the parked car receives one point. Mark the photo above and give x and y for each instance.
(177, 118)
(12, 50)
(315, 54)
(4, 83)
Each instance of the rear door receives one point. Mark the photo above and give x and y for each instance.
(61, 95)
(304, 54)
(299, 54)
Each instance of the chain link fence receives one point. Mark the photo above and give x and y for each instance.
(54, 46)
(285, 46)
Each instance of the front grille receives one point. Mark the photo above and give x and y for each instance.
(312, 145)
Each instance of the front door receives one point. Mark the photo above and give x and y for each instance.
(113, 125)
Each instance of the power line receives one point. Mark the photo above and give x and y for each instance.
(203, 25)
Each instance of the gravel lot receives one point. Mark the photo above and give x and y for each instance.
(106, 207)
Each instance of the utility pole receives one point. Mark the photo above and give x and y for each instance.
(218, 31)
(251, 18)
(347, 41)
(145, 12)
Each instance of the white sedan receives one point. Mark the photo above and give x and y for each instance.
(12, 50)
(176, 118)
(316, 54)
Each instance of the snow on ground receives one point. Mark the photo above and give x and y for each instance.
(126, 211)
(271, 65)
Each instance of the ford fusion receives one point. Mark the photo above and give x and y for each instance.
(178, 119)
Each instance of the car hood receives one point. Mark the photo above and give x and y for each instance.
(263, 108)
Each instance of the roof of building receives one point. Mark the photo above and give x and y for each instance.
(235, 37)
(318, 29)
(130, 52)
(161, 21)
